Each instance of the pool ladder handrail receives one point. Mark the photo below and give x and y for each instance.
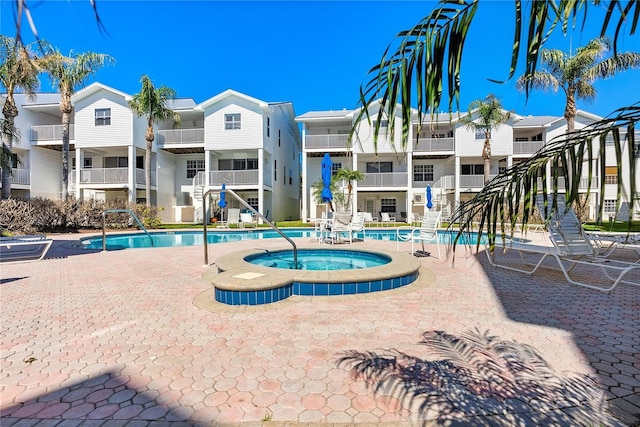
(129, 211)
(205, 218)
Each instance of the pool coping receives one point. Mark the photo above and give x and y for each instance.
(230, 266)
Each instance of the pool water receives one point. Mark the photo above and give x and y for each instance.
(194, 238)
(318, 259)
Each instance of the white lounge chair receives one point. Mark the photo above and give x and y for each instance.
(571, 248)
(427, 232)
(370, 219)
(385, 218)
(233, 217)
(247, 220)
(24, 248)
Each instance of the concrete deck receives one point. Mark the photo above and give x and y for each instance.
(133, 338)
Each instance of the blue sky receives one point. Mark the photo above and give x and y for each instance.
(313, 53)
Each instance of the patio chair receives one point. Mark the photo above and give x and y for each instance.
(427, 232)
(247, 220)
(233, 217)
(340, 227)
(24, 248)
(570, 248)
(385, 218)
(370, 219)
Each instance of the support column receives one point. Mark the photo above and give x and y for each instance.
(456, 182)
(79, 165)
(131, 181)
(409, 187)
(305, 187)
(261, 207)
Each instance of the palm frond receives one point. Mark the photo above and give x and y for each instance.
(565, 155)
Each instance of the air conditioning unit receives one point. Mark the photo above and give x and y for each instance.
(417, 199)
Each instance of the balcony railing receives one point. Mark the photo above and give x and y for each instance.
(18, 176)
(110, 176)
(326, 141)
(473, 181)
(238, 177)
(527, 147)
(50, 133)
(385, 179)
(434, 144)
(582, 184)
(180, 136)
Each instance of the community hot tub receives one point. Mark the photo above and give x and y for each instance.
(241, 282)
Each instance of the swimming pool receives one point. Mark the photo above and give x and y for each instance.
(193, 238)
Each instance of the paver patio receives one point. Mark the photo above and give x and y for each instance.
(132, 338)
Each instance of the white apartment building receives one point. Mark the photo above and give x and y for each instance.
(444, 155)
(251, 146)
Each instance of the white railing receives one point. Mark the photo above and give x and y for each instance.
(50, 133)
(238, 177)
(473, 181)
(326, 141)
(110, 176)
(141, 177)
(434, 144)
(180, 136)
(527, 147)
(388, 179)
(583, 184)
(18, 176)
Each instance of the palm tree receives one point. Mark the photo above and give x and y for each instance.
(349, 176)
(68, 74)
(18, 72)
(490, 116)
(421, 69)
(575, 74)
(152, 103)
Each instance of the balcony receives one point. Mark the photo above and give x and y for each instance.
(526, 147)
(180, 137)
(18, 176)
(385, 179)
(110, 176)
(329, 141)
(434, 145)
(47, 134)
(237, 177)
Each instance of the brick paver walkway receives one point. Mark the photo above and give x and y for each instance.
(119, 338)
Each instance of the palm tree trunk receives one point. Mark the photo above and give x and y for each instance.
(66, 109)
(486, 155)
(9, 111)
(147, 162)
(570, 110)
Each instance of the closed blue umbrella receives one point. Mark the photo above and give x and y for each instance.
(326, 164)
(222, 202)
(429, 201)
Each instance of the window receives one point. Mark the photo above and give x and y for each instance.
(232, 121)
(116, 162)
(88, 163)
(140, 162)
(268, 126)
(194, 166)
(501, 169)
(278, 137)
(253, 202)
(610, 205)
(335, 168)
(423, 172)
(537, 137)
(290, 177)
(103, 116)
(275, 170)
(611, 175)
(378, 167)
(472, 169)
(480, 134)
(437, 135)
(388, 205)
(383, 123)
(521, 138)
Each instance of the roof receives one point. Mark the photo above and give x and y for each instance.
(229, 93)
(181, 104)
(94, 88)
(536, 121)
(327, 115)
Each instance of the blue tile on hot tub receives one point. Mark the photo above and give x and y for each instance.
(306, 289)
(321, 289)
(386, 284)
(363, 287)
(296, 288)
(335, 289)
(349, 288)
(253, 298)
(376, 286)
(260, 297)
(244, 298)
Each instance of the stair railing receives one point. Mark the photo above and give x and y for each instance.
(133, 215)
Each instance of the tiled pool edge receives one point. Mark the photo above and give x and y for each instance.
(273, 285)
